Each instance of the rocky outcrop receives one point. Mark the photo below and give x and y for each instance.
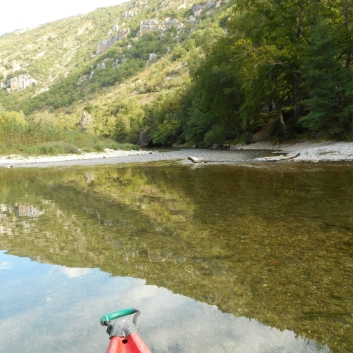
(115, 64)
(198, 9)
(86, 121)
(134, 4)
(129, 14)
(191, 20)
(19, 83)
(82, 79)
(154, 25)
(113, 29)
(102, 64)
(149, 25)
(107, 43)
(171, 22)
(152, 57)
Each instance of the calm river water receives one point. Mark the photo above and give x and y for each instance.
(250, 258)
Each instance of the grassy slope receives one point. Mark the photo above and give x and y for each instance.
(62, 50)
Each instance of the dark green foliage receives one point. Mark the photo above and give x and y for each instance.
(121, 131)
(168, 131)
(216, 135)
(329, 85)
(280, 60)
(179, 52)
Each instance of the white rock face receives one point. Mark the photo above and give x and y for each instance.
(191, 19)
(129, 14)
(102, 64)
(154, 25)
(115, 64)
(149, 25)
(152, 57)
(135, 4)
(198, 9)
(82, 79)
(107, 43)
(19, 83)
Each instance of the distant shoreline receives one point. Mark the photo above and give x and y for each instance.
(310, 151)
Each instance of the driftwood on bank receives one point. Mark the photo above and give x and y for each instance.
(262, 159)
(277, 158)
(202, 160)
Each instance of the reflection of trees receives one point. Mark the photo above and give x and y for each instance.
(255, 243)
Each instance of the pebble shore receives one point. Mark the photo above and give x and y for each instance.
(310, 151)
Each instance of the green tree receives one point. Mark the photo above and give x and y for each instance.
(329, 83)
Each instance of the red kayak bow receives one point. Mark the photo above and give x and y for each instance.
(123, 334)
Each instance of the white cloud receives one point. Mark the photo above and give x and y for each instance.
(46, 312)
(73, 272)
(169, 322)
(5, 266)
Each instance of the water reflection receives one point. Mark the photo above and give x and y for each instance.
(64, 312)
(271, 243)
(74, 272)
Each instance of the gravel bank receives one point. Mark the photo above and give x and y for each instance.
(327, 151)
(309, 152)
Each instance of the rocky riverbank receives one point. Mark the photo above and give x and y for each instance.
(309, 151)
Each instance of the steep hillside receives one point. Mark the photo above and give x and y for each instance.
(62, 62)
(112, 64)
(181, 72)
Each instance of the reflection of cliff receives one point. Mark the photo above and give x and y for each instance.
(27, 211)
(9, 216)
(163, 205)
(273, 246)
(20, 210)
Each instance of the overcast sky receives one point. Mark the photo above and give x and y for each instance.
(18, 14)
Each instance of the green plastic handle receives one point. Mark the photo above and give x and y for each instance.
(116, 314)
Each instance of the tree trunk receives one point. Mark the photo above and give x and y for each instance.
(280, 118)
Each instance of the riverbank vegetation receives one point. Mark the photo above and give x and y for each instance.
(238, 72)
(285, 65)
(27, 136)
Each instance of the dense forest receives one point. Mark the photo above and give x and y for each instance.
(287, 64)
(275, 68)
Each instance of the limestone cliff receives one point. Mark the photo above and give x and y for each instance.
(107, 43)
(18, 83)
(154, 25)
